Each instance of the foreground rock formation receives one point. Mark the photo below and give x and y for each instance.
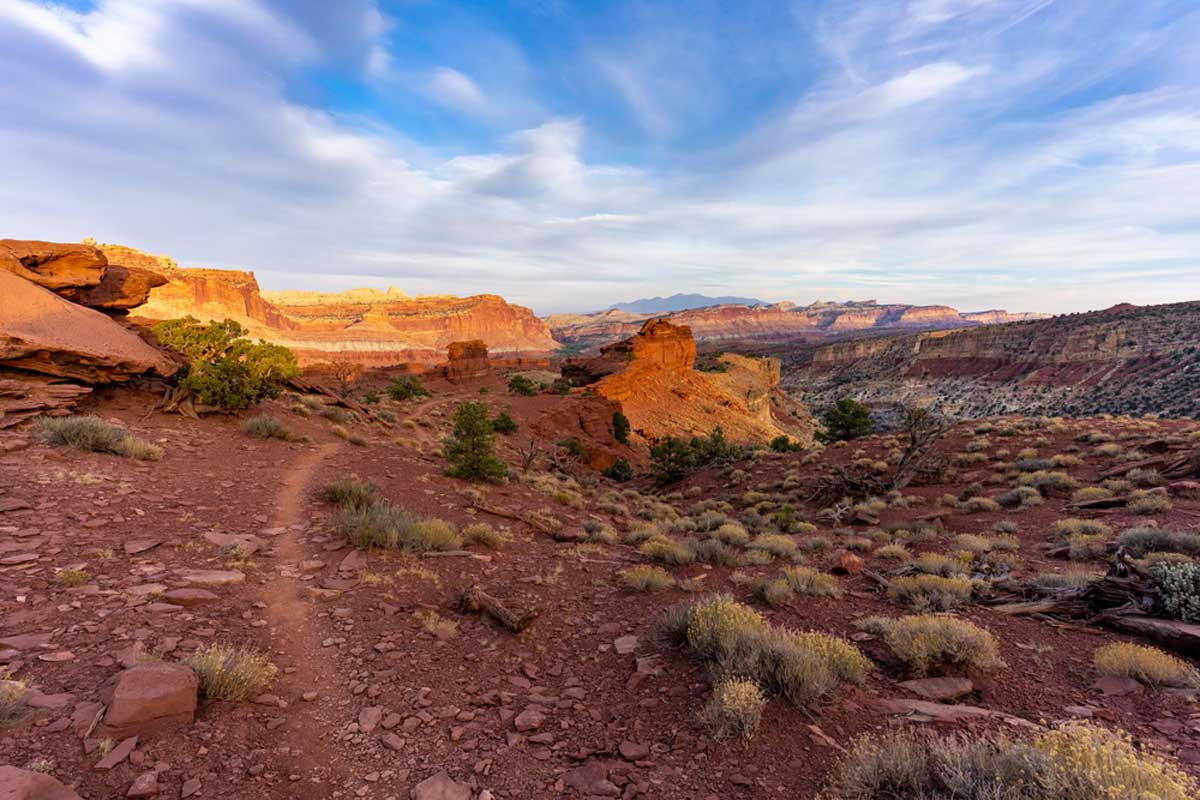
(1126, 359)
(653, 377)
(726, 324)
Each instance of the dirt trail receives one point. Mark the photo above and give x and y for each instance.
(296, 641)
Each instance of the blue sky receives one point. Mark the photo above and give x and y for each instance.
(1029, 154)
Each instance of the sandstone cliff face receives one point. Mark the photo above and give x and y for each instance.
(781, 322)
(466, 360)
(366, 326)
(652, 377)
(1122, 360)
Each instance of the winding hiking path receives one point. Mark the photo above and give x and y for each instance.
(311, 765)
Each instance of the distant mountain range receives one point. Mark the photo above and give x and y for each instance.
(681, 302)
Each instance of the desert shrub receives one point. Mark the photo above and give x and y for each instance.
(1088, 527)
(573, 446)
(350, 492)
(1144, 478)
(503, 423)
(379, 524)
(471, 449)
(1020, 497)
(924, 592)
(229, 672)
(939, 564)
(845, 420)
(776, 592)
(806, 580)
(1178, 585)
(979, 505)
(1090, 493)
(1031, 464)
(225, 370)
(337, 415)
(482, 534)
(407, 387)
(1064, 580)
(894, 552)
(519, 384)
(12, 700)
(1139, 541)
(646, 578)
(1086, 547)
(667, 550)
(621, 427)
(619, 471)
(714, 551)
(731, 533)
(735, 709)
(777, 544)
(1147, 665)
(783, 444)
(1077, 761)
(1049, 482)
(265, 426)
(927, 641)
(673, 458)
(95, 435)
(1147, 503)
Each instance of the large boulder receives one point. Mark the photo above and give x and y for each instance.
(55, 266)
(149, 698)
(22, 784)
(122, 288)
(42, 332)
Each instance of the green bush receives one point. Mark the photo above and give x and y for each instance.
(504, 424)
(844, 420)
(619, 471)
(471, 449)
(782, 444)
(573, 447)
(621, 428)
(519, 384)
(94, 434)
(674, 458)
(1178, 585)
(226, 370)
(407, 387)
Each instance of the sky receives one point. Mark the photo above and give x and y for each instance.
(1039, 155)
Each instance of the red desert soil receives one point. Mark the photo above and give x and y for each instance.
(369, 702)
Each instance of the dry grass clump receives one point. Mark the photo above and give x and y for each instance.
(1146, 503)
(668, 551)
(980, 505)
(927, 641)
(1071, 579)
(91, 433)
(926, 592)
(1086, 547)
(1147, 665)
(1077, 761)
(370, 522)
(229, 672)
(1144, 478)
(350, 492)
(777, 544)
(1090, 493)
(894, 552)
(1021, 497)
(806, 580)
(482, 534)
(439, 627)
(939, 564)
(12, 700)
(70, 578)
(1140, 541)
(776, 592)
(1088, 527)
(646, 578)
(731, 533)
(264, 426)
(1049, 482)
(735, 709)
(732, 639)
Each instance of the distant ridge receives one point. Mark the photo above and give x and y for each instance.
(681, 302)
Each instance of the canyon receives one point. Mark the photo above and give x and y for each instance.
(720, 325)
(1122, 360)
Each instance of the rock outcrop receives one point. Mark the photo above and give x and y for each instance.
(45, 333)
(63, 268)
(779, 322)
(1126, 359)
(652, 377)
(466, 360)
(148, 698)
(24, 784)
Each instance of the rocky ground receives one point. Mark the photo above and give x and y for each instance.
(387, 689)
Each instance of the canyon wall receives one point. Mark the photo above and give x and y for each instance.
(365, 326)
(723, 325)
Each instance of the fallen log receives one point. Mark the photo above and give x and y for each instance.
(476, 600)
(1182, 637)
